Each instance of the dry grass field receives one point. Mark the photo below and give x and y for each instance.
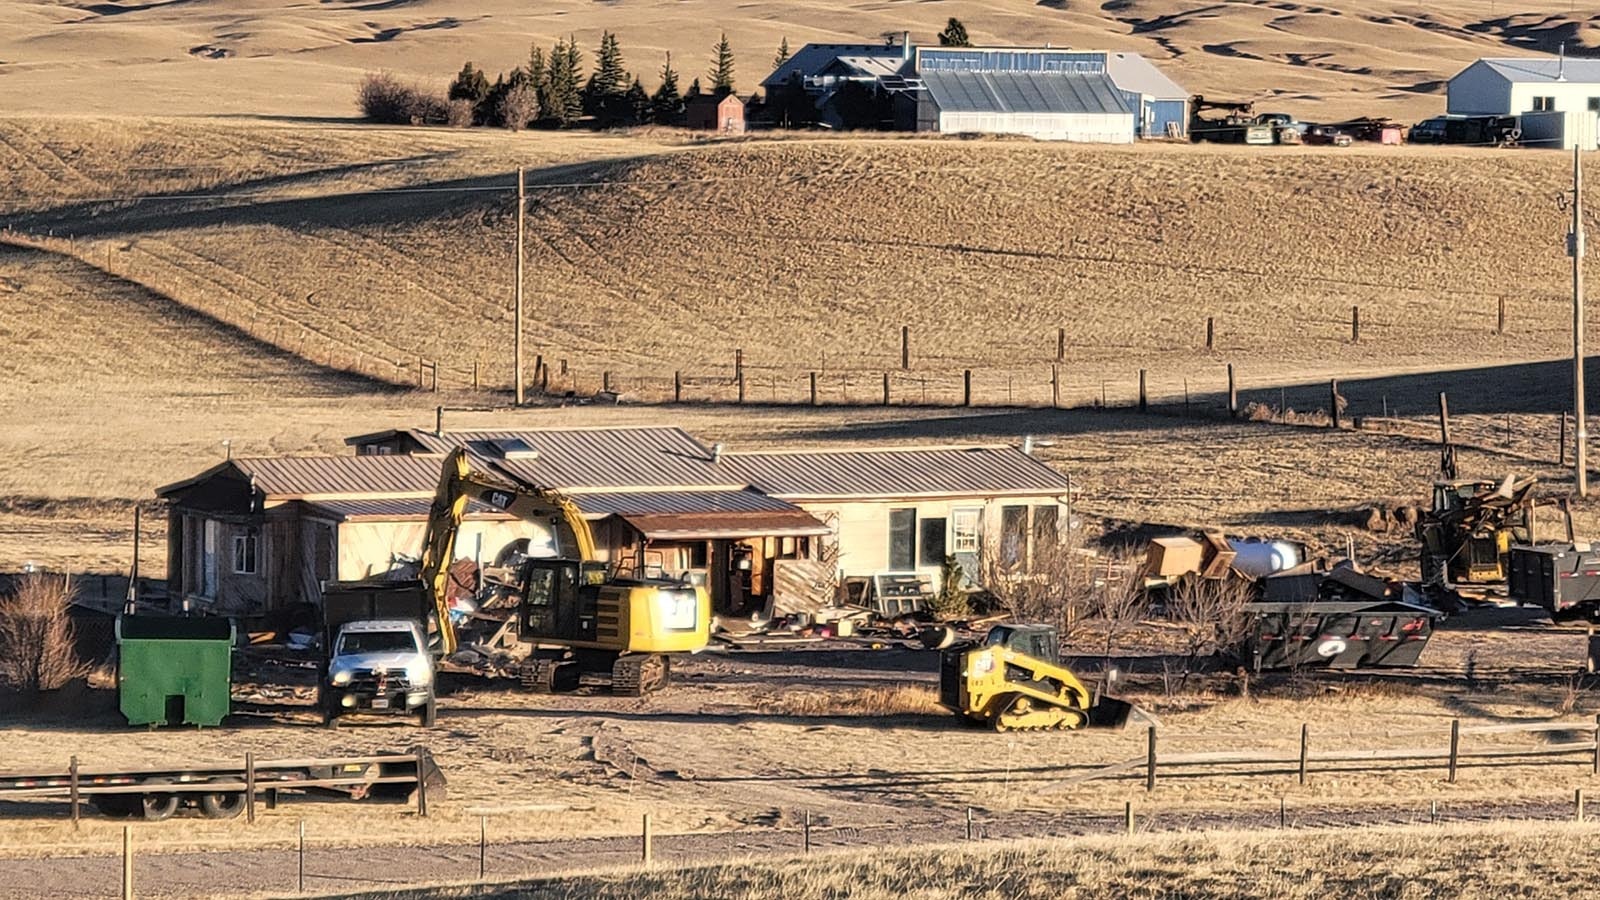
(271, 57)
(1475, 862)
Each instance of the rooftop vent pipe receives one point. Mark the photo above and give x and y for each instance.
(716, 452)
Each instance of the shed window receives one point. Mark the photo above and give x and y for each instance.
(931, 547)
(1594, 104)
(902, 539)
(1544, 104)
(964, 530)
(245, 545)
(1046, 525)
(1013, 534)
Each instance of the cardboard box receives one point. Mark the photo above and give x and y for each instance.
(1173, 556)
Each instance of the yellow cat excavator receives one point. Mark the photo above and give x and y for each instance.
(580, 619)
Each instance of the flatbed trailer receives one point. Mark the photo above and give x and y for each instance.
(224, 790)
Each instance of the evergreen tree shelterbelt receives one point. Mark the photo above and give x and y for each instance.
(562, 103)
(603, 95)
(666, 104)
(783, 53)
(539, 77)
(722, 67)
(471, 84)
(574, 93)
(636, 104)
(954, 34)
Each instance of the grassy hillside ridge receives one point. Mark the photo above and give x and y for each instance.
(657, 263)
(273, 57)
(1527, 860)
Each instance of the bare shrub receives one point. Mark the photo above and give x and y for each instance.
(1211, 614)
(459, 114)
(890, 700)
(1056, 587)
(1118, 601)
(384, 98)
(519, 106)
(36, 636)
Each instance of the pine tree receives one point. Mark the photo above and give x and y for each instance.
(636, 104)
(573, 96)
(562, 102)
(602, 96)
(471, 84)
(954, 34)
(722, 67)
(666, 104)
(783, 54)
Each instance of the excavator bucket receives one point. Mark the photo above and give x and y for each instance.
(1110, 713)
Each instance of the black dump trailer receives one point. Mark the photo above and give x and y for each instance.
(359, 601)
(1338, 634)
(1562, 578)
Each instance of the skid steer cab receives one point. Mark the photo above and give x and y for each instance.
(1014, 681)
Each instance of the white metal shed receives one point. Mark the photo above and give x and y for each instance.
(1558, 98)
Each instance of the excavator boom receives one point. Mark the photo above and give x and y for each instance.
(461, 482)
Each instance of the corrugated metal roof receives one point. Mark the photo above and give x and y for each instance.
(1132, 72)
(668, 502)
(718, 526)
(811, 59)
(1025, 92)
(1545, 69)
(296, 477)
(574, 459)
(395, 508)
(898, 472)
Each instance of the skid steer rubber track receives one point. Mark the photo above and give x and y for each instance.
(1025, 714)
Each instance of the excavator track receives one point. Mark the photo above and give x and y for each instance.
(635, 676)
(539, 675)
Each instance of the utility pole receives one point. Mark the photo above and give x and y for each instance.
(1580, 458)
(516, 314)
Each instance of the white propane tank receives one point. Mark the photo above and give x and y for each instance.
(1258, 558)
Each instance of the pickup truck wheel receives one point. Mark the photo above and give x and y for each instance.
(429, 713)
(158, 807)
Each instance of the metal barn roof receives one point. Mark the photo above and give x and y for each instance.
(1546, 70)
(1025, 92)
(394, 508)
(899, 472)
(678, 502)
(300, 477)
(811, 59)
(1132, 72)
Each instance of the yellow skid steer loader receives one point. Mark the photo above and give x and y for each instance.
(1014, 681)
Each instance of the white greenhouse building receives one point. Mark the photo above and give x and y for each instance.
(1558, 98)
(1052, 106)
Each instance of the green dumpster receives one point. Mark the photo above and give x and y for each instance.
(174, 670)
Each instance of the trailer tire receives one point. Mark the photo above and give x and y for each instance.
(158, 806)
(222, 805)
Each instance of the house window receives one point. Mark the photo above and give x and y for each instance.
(964, 530)
(1594, 104)
(1013, 534)
(245, 544)
(931, 546)
(1046, 522)
(902, 539)
(1544, 104)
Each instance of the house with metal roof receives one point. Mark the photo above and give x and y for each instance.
(761, 529)
(1557, 98)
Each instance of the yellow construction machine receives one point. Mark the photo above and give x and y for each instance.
(579, 617)
(1014, 681)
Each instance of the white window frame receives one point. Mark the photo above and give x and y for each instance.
(247, 540)
(966, 530)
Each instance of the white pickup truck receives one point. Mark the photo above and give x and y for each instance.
(379, 658)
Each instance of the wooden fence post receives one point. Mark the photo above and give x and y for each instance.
(1500, 318)
(1061, 345)
(1127, 816)
(806, 840)
(422, 783)
(1561, 446)
(1355, 324)
(127, 862)
(1144, 398)
(1283, 812)
(738, 363)
(483, 847)
(1211, 332)
(966, 388)
(1305, 743)
(1455, 747)
(645, 853)
(813, 389)
(905, 346)
(302, 856)
(1595, 770)
(677, 387)
(1333, 402)
(969, 823)
(741, 385)
(249, 788)
(72, 773)
(605, 380)
(1233, 395)
(1150, 761)
(886, 389)
(1055, 386)
(1577, 804)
